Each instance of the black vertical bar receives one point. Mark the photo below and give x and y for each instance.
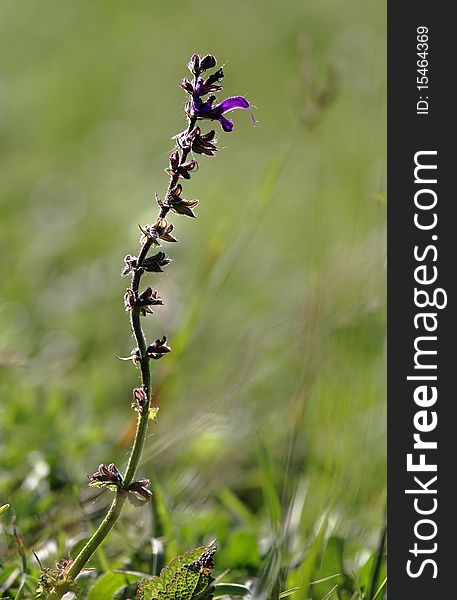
(433, 129)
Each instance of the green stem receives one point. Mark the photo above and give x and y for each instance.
(99, 535)
(142, 424)
(143, 418)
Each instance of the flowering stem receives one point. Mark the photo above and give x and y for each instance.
(138, 303)
(98, 536)
(142, 422)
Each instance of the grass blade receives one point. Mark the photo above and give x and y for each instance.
(270, 494)
(380, 589)
(377, 565)
(231, 589)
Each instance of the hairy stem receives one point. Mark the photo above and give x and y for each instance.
(115, 509)
(142, 423)
(99, 535)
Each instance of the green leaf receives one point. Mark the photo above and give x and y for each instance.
(233, 504)
(374, 570)
(302, 576)
(187, 577)
(270, 494)
(110, 583)
(327, 596)
(230, 589)
(378, 566)
(380, 589)
(289, 592)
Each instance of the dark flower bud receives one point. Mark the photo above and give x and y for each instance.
(129, 299)
(191, 165)
(149, 234)
(176, 191)
(187, 86)
(160, 226)
(146, 299)
(184, 170)
(184, 173)
(184, 207)
(106, 476)
(207, 88)
(208, 137)
(154, 264)
(179, 205)
(211, 84)
(217, 76)
(158, 348)
(174, 160)
(194, 64)
(149, 297)
(139, 493)
(207, 62)
(130, 265)
(204, 144)
(141, 400)
(166, 235)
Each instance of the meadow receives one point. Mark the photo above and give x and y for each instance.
(271, 432)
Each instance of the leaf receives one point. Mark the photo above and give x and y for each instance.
(233, 504)
(184, 207)
(153, 413)
(230, 589)
(289, 592)
(270, 494)
(334, 588)
(374, 570)
(267, 585)
(380, 589)
(378, 565)
(330, 568)
(302, 576)
(185, 578)
(110, 583)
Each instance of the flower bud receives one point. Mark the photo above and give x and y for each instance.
(141, 400)
(166, 235)
(160, 225)
(130, 265)
(207, 62)
(174, 160)
(187, 86)
(158, 348)
(184, 207)
(194, 64)
(154, 264)
(149, 297)
(106, 476)
(139, 493)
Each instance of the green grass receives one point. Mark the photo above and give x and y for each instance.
(271, 433)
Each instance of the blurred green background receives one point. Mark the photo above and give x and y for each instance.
(274, 305)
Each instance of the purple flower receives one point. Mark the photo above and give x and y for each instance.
(206, 110)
